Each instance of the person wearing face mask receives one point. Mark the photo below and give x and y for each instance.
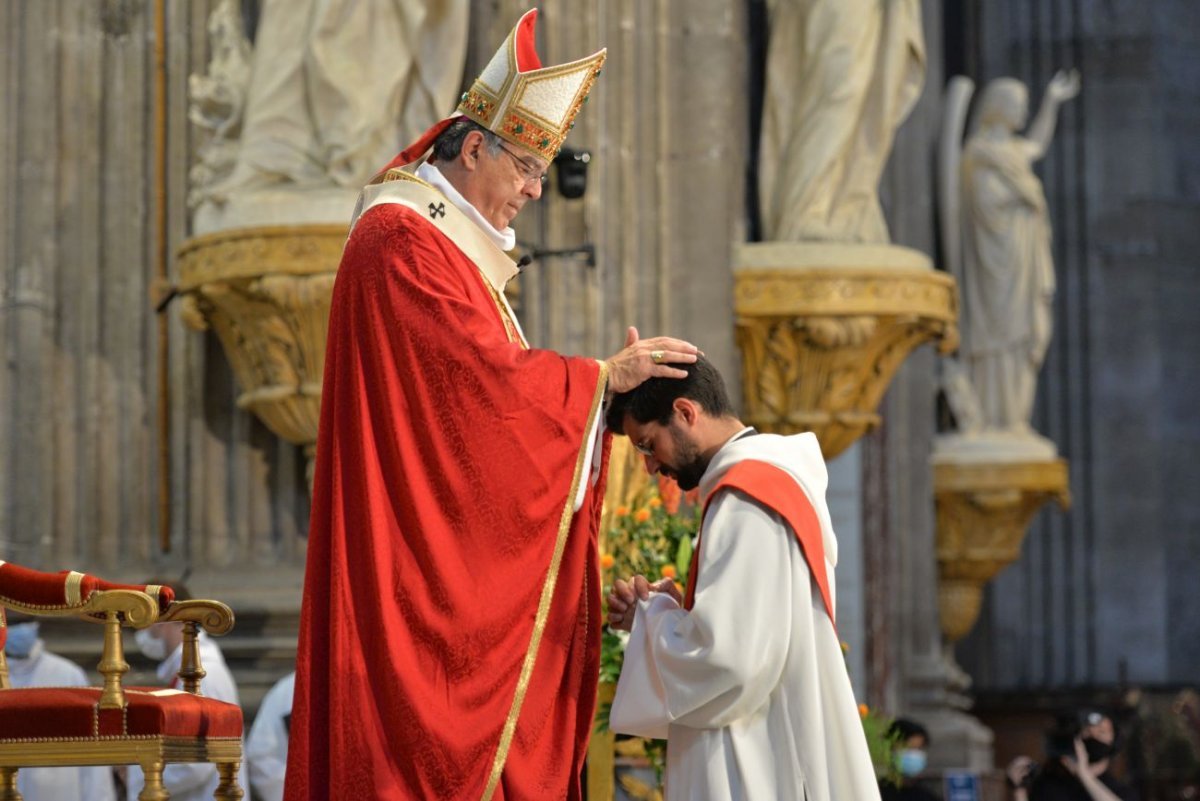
(910, 754)
(1079, 754)
(163, 643)
(30, 664)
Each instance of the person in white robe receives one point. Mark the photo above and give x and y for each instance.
(748, 686)
(267, 743)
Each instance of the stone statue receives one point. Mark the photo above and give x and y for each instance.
(997, 239)
(218, 99)
(841, 77)
(335, 88)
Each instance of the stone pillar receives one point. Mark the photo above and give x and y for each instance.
(909, 673)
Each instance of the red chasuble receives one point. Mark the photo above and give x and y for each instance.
(450, 632)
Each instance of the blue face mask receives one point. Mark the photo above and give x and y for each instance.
(911, 761)
(21, 638)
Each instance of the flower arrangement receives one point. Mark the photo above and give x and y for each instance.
(881, 743)
(652, 537)
(881, 740)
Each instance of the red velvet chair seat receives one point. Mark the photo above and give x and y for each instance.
(72, 712)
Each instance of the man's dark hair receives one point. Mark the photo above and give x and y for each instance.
(903, 728)
(450, 142)
(654, 398)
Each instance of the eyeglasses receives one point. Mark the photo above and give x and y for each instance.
(530, 173)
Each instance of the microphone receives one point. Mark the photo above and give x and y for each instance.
(524, 261)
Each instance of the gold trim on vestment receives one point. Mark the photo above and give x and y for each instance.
(510, 326)
(543, 611)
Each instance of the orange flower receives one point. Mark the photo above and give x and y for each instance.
(654, 503)
(641, 515)
(607, 561)
(668, 571)
(863, 710)
(622, 511)
(679, 587)
(670, 493)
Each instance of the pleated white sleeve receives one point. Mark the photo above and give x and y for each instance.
(721, 661)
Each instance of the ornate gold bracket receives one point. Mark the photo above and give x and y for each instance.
(823, 328)
(265, 292)
(983, 512)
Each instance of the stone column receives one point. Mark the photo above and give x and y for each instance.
(912, 676)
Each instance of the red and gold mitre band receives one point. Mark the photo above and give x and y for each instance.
(518, 99)
(530, 105)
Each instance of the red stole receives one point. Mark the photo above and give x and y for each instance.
(450, 630)
(775, 489)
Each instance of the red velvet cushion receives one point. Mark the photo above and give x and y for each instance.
(35, 588)
(72, 712)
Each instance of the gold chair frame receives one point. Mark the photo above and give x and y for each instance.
(114, 609)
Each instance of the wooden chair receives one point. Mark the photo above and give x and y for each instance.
(115, 724)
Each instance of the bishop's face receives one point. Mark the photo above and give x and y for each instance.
(503, 182)
(668, 450)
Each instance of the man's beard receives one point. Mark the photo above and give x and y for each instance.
(691, 467)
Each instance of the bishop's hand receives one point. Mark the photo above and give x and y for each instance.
(648, 358)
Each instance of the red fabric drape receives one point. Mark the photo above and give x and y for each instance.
(444, 463)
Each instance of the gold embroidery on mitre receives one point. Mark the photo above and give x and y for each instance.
(535, 109)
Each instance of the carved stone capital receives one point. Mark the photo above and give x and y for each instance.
(983, 512)
(265, 292)
(820, 344)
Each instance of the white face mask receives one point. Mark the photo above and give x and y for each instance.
(151, 647)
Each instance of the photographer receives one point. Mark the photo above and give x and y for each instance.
(1078, 752)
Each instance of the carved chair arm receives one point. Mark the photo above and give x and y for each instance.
(112, 609)
(214, 617)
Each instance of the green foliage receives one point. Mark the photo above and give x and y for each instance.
(881, 744)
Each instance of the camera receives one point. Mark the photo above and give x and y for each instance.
(571, 166)
(1060, 740)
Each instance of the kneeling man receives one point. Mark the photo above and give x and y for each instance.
(745, 677)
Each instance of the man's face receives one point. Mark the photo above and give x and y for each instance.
(669, 450)
(503, 183)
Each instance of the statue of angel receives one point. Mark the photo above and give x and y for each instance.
(996, 237)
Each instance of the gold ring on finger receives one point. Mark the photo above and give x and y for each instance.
(657, 356)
